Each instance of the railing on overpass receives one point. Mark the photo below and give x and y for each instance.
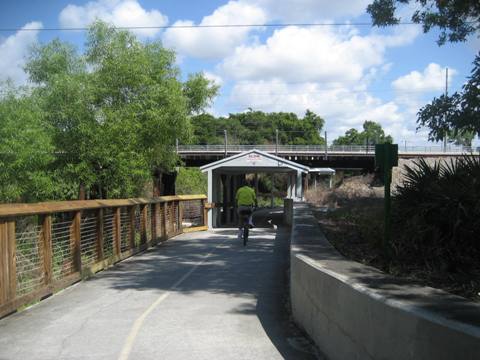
(321, 149)
(45, 247)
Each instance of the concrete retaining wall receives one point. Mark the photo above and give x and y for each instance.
(354, 311)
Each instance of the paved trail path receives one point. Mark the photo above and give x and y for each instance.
(197, 296)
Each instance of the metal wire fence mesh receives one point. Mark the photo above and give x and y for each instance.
(88, 237)
(170, 218)
(148, 225)
(63, 264)
(176, 222)
(108, 228)
(138, 226)
(192, 213)
(124, 230)
(29, 256)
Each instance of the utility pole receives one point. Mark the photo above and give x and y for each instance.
(276, 142)
(176, 145)
(225, 141)
(445, 115)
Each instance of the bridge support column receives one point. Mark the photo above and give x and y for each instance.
(272, 200)
(293, 186)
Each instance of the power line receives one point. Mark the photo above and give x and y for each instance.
(213, 26)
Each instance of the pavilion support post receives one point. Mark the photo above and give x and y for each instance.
(298, 187)
(228, 199)
(210, 198)
(224, 217)
(272, 195)
(235, 188)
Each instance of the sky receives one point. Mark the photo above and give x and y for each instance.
(345, 73)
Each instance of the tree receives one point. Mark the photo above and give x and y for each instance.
(258, 127)
(455, 116)
(113, 112)
(372, 134)
(26, 150)
(457, 19)
(199, 92)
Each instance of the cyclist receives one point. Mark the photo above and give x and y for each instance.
(246, 200)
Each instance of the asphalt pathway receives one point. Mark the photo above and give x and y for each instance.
(197, 296)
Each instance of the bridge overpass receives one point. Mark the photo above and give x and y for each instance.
(333, 156)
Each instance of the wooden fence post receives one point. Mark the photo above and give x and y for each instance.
(46, 245)
(99, 241)
(75, 241)
(8, 271)
(131, 226)
(205, 212)
(117, 232)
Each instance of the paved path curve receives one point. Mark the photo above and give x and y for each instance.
(198, 296)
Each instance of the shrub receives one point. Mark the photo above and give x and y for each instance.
(191, 181)
(437, 208)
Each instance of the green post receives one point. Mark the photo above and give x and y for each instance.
(387, 178)
(386, 156)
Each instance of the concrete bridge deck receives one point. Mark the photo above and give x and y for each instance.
(198, 296)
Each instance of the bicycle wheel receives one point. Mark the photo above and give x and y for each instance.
(245, 235)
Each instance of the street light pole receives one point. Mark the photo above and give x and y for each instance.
(276, 142)
(225, 140)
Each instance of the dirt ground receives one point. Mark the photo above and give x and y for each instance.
(351, 217)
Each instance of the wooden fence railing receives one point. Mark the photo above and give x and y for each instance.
(45, 247)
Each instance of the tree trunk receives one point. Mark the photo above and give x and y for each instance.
(81, 192)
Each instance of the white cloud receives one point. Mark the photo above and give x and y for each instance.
(308, 10)
(431, 79)
(121, 13)
(341, 107)
(312, 54)
(323, 69)
(14, 49)
(215, 42)
(213, 77)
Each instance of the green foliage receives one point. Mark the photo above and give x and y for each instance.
(199, 91)
(457, 19)
(191, 181)
(438, 210)
(25, 150)
(257, 127)
(372, 133)
(110, 116)
(457, 115)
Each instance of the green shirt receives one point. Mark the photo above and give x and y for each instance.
(245, 196)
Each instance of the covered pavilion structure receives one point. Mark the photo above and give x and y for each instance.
(226, 175)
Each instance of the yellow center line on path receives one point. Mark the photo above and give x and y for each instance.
(127, 347)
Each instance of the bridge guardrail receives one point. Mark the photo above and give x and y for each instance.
(232, 148)
(45, 247)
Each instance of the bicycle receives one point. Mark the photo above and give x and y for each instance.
(245, 216)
